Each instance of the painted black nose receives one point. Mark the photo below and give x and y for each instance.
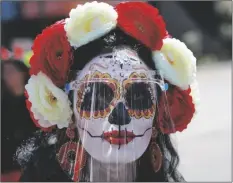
(119, 115)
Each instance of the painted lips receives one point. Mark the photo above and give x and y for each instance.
(119, 137)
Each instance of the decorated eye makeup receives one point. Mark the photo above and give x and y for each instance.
(139, 97)
(102, 95)
(139, 101)
(96, 96)
(99, 94)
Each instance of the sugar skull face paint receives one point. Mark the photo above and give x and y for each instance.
(114, 106)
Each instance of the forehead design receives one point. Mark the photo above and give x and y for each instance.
(119, 64)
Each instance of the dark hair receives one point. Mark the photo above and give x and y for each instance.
(106, 43)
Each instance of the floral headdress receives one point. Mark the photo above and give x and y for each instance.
(53, 56)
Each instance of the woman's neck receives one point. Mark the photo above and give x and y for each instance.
(114, 172)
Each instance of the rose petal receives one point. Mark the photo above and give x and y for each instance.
(176, 63)
(141, 21)
(45, 47)
(176, 110)
(88, 22)
(45, 113)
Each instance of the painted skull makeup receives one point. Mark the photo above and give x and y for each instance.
(115, 105)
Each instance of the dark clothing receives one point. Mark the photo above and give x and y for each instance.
(16, 127)
(37, 157)
(44, 167)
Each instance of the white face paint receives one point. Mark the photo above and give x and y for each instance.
(114, 118)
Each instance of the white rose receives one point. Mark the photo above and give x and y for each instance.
(89, 21)
(176, 63)
(50, 105)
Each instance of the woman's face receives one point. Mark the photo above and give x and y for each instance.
(114, 106)
(13, 78)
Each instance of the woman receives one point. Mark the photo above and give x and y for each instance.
(16, 122)
(130, 85)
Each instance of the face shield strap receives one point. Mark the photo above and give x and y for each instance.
(119, 57)
(74, 85)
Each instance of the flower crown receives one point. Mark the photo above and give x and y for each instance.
(53, 56)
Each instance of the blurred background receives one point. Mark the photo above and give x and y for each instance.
(206, 28)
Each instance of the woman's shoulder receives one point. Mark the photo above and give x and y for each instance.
(37, 158)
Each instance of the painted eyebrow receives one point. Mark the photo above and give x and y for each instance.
(98, 65)
(111, 56)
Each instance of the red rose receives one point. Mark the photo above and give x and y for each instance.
(52, 54)
(29, 105)
(175, 110)
(143, 22)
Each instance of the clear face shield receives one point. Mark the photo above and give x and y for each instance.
(115, 103)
